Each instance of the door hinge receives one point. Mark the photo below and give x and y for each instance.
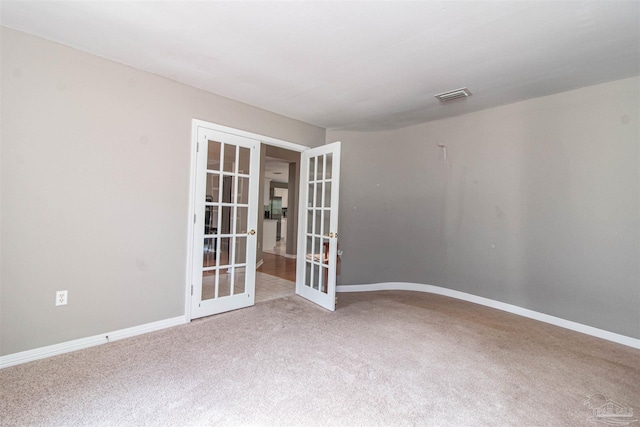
(197, 147)
(191, 289)
(194, 218)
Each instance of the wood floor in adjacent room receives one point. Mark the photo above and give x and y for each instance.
(280, 266)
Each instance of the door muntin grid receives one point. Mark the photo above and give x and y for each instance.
(226, 220)
(318, 219)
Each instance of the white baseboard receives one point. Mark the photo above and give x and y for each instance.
(563, 323)
(290, 256)
(66, 347)
(69, 346)
(259, 263)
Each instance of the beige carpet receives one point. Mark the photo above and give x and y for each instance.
(384, 358)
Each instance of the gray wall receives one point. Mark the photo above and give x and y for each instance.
(537, 205)
(95, 184)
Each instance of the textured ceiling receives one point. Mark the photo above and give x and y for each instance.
(354, 65)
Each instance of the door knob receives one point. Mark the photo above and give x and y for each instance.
(252, 232)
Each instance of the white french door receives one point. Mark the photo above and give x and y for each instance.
(226, 213)
(318, 225)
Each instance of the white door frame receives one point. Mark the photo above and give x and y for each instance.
(192, 188)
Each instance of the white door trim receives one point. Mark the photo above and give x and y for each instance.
(195, 124)
(262, 138)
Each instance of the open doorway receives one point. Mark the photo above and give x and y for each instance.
(277, 241)
(224, 158)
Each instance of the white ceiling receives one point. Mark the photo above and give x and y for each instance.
(354, 65)
(276, 169)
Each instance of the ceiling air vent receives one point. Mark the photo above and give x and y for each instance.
(453, 94)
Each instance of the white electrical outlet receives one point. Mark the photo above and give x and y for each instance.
(61, 297)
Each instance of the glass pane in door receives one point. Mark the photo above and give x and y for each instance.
(319, 168)
(209, 258)
(229, 157)
(213, 155)
(242, 189)
(208, 285)
(224, 287)
(318, 223)
(328, 165)
(239, 279)
(225, 220)
(244, 157)
(213, 187)
(242, 216)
